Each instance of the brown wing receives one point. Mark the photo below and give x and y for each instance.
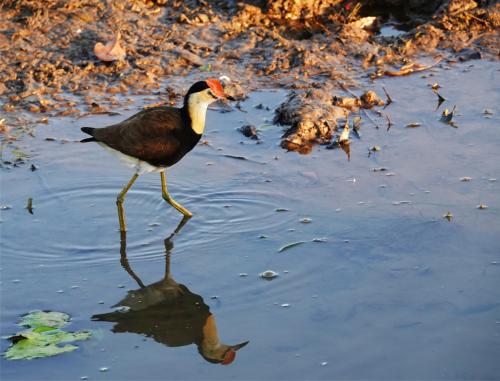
(152, 135)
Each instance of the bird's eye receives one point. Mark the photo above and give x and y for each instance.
(210, 92)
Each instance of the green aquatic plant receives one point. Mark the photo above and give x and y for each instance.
(44, 336)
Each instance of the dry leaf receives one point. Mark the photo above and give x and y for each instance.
(112, 51)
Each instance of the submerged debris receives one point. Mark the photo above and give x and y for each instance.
(250, 131)
(447, 116)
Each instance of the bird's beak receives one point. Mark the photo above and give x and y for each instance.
(229, 97)
(239, 346)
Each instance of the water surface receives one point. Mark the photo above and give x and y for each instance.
(383, 286)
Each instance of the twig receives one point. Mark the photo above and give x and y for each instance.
(389, 99)
(371, 119)
(409, 69)
(344, 87)
(389, 122)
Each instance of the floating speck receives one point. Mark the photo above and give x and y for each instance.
(263, 236)
(290, 245)
(84, 378)
(319, 239)
(482, 206)
(152, 224)
(382, 186)
(361, 202)
(285, 305)
(404, 202)
(5, 207)
(375, 148)
(103, 369)
(281, 210)
(487, 111)
(269, 274)
(324, 363)
(413, 125)
(346, 241)
(100, 302)
(390, 174)
(338, 210)
(121, 286)
(285, 271)
(379, 169)
(448, 216)
(494, 263)
(60, 291)
(353, 180)
(75, 286)
(213, 297)
(492, 179)
(242, 275)
(465, 178)
(16, 280)
(305, 220)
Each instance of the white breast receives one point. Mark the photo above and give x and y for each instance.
(139, 166)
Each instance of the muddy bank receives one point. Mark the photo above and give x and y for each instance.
(317, 49)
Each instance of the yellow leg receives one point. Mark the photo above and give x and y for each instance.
(169, 199)
(119, 202)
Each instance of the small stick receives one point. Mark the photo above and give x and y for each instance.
(389, 99)
(389, 122)
(371, 119)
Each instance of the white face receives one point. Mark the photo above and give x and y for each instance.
(197, 108)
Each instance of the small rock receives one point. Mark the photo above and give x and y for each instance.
(249, 131)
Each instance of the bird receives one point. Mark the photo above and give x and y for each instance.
(157, 138)
(169, 313)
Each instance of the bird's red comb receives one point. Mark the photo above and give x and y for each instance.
(216, 87)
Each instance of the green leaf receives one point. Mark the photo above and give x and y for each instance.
(44, 319)
(44, 338)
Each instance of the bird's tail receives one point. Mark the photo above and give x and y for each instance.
(90, 131)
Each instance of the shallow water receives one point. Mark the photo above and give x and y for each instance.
(383, 286)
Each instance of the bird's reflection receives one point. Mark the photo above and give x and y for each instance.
(169, 312)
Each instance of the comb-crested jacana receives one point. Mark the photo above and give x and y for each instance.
(156, 138)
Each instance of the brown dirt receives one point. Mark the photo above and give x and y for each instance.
(317, 49)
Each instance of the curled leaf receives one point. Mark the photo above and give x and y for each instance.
(112, 51)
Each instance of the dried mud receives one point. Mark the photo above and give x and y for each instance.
(317, 49)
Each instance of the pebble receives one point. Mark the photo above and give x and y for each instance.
(103, 369)
(305, 220)
(242, 275)
(465, 178)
